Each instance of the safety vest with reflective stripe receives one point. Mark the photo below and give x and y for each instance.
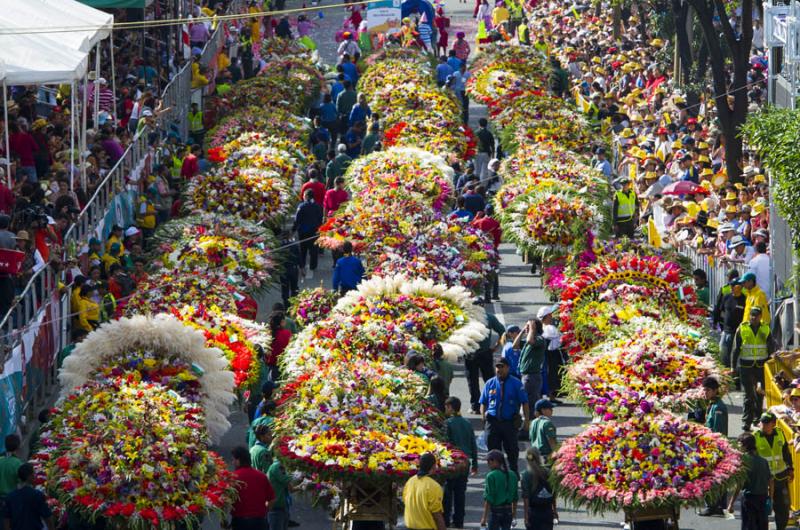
(754, 345)
(773, 454)
(626, 205)
(196, 121)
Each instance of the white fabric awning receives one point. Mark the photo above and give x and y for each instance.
(39, 60)
(69, 22)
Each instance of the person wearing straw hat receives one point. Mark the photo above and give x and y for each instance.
(740, 251)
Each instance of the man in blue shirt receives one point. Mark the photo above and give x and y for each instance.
(353, 138)
(360, 111)
(349, 270)
(474, 201)
(453, 61)
(443, 71)
(349, 69)
(337, 87)
(328, 115)
(460, 77)
(461, 212)
(603, 165)
(500, 401)
(26, 507)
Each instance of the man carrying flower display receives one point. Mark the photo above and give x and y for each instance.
(255, 493)
(479, 362)
(500, 402)
(751, 351)
(422, 498)
(717, 420)
(307, 221)
(461, 434)
(772, 445)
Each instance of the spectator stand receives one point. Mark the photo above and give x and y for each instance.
(38, 325)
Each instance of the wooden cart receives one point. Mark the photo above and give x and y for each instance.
(668, 514)
(367, 501)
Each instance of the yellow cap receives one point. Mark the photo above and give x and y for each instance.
(731, 196)
(731, 209)
(760, 178)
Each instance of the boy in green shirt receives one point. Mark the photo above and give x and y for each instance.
(9, 465)
(461, 434)
(278, 515)
(500, 493)
(543, 432)
(260, 453)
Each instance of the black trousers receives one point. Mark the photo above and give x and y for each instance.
(249, 523)
(754, 512)
(750, 376)
(554, 362)
(308, 247)
(289, 285)
(501, 435)
(455, 492)
(625, 228)
(478, 363)
(491, 287)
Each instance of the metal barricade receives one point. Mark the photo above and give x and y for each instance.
(176, 99)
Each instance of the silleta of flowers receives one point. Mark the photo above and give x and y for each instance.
(133, 453)
(312, 305)
(649, 368)
(645, 462)
(431, 312)
(161, 292)
(162, 350)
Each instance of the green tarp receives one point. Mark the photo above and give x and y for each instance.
(113, 3)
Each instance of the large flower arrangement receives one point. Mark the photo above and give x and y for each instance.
(242, 341)
(133, 453)
(161, 350)
(408, 99)
(440, 136)
(429, 311)
(634, 286)
(550, 222)
(245, 262)
(408, 169)
(396, 72)
(343, 340)
(358, 395)
(299, 74)
(161, 292)
(645, 462)
(254, 194)
(259, 122)
(649, 368)
(312, 305)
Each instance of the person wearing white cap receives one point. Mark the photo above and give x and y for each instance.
(725, 232)
(740, 251)
(553, 358)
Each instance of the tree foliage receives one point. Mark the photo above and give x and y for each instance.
(775, 133)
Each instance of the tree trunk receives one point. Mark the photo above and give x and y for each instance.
(680, 11)
(616, 20)
(730, 117)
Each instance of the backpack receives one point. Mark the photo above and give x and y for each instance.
(542, 495)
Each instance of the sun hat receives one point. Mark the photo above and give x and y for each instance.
(544, 311)
(737, 241)
(23, 235)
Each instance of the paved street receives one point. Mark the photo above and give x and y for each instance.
(521, 296)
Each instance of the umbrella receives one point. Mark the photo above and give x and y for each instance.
(683, 187)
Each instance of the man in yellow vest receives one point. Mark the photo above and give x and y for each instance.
(772, 446)
(755, 297)
(751, 350)
(624, 208)
(196, 131)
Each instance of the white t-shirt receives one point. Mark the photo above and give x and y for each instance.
(759, 266)
(553, 336)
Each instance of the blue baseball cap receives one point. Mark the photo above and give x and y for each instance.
(543, 404)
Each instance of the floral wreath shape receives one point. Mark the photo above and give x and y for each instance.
(650, 369)
(345, 340)
(166, 335)
(130, 452)
(551, 221)
(459, 340)
(646, 462)
(651, 271)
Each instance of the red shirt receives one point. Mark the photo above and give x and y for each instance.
(255, 492)
(190, 167)
(491, 227)
(115, 288)
(279, 343)
(333, 199)
(317, 187)
(7, 199)
(23, 145)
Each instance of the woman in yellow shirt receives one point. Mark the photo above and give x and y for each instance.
(88, 310)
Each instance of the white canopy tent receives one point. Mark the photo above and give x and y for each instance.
(48, 42)
(70, 23)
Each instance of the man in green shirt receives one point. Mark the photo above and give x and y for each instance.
(344, 104)
(460, 434)
(482, 360)
(291, 325)
(9, 465)
(442, 367)
(543, 432)
(758, 487)
(717, 421)
(531, 358)
(260, 453)
(701, 286)
(337, 165)
(278, 515)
